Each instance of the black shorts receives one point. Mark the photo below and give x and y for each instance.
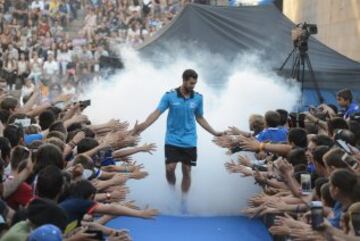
(187, 156)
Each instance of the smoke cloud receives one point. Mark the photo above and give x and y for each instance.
(232, 91)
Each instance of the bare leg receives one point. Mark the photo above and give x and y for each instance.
(186, 181)
(170, 173)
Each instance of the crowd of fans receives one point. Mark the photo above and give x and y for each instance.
(308, 166)
(39, 48)
(62, 177)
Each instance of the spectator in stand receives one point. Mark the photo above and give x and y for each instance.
(345, 100)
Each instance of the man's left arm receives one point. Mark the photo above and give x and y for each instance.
(199, 113)
(204, 124)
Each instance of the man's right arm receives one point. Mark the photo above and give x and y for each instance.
(138, 128)
(163, 105)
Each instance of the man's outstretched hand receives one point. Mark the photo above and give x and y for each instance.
(137, 129)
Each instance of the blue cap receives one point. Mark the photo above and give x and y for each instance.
(47, 232)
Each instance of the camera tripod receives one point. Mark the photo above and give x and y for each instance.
(300, 59)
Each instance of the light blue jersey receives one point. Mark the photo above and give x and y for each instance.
(181, 125)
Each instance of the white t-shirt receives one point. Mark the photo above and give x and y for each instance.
(69, 90)
(27, 91)
(36, 65)
(64, 56)
(37, 4)
(51, 68)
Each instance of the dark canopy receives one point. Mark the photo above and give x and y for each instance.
(229, 31)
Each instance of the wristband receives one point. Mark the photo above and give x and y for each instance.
(261, 146)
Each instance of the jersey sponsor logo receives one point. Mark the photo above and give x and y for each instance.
(192, 105)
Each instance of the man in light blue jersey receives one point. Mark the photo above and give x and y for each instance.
(185, 107)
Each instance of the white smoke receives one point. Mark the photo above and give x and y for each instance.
(134, 92)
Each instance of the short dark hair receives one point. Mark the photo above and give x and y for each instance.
(326, 196)
(189, 73)
(322, 140)
(283, 116)
(347, 182)
(55, 110)
(86, 144)
(319, 182)
(272, 119)
(333, 107)
(56, 134)
(4, 116)
(46, 118)
(345, 135)
(49, 182)
(84, 161)
(47, 155)
(346, 94)
(354, 126)
(57, 142)
(82, 189)
(74, 127)
(58, 126)
(14, 134)
(297, 157)
(9, 103)
(42, 211)
(336, 123)
(19, 154)
(318, 154)
(298, 136)
(5, 148)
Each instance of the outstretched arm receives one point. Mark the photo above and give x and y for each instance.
(204, 124)
(138, 128)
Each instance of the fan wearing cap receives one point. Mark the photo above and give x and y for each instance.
(47, 232)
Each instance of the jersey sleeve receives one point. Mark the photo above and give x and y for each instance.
(199, 111)
(164, 103)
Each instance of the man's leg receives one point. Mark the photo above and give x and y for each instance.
(186, 181)
(170, 173)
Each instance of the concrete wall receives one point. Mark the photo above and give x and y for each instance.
(338, 22)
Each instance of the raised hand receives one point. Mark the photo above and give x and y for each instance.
(149, 213)
(225, 141)
(130, 204)
(244, 161)
(137, 174)
(249, 144)
(232, 167)
(232, 130)
(149, 148)
(279, 230)
(115, 124)
(137, 129)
